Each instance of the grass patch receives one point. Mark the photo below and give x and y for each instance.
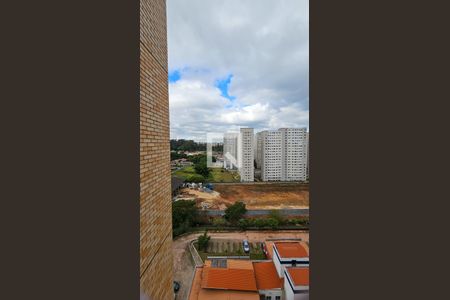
(222, 175)
(184, 172)
(215, 174)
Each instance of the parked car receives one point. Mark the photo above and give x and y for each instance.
(176, 286)
(246, 246)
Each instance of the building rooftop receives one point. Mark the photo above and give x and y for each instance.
(229, 279)
(291, 249)
(199, 293)
(300, 275)
(267, 276)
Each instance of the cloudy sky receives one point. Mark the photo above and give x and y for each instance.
(237, 63)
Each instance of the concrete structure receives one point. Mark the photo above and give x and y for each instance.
(282, 154)
(246, 155)
(270, 155)
(258, 150)
(156, 260)
(296, 283)
(308, 155)
(230, 146)
(294, 154)
(289, 254)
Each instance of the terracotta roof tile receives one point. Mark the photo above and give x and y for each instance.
(291, 249)
(299, 275)
(267, 276)
(229, 279)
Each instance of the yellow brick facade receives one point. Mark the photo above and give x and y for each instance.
(156, 261)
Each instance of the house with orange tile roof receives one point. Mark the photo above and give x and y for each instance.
(289, 254)
(268, 282)
(296, 283)
(221, 278)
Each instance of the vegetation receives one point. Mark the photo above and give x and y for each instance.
(235, 212)
(175, 155)
(232, 249)
(184, 215)
(201, 169)
(221, 175)
(203, 241)
(187, 145)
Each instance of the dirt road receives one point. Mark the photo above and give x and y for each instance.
(183, 265)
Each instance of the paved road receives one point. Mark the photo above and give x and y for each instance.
(183, 264)
(263, 212)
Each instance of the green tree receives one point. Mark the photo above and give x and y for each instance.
(202, 169)
(203, 241)
(235, 212)
(184, 213)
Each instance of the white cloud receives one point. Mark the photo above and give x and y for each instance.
(263, 43)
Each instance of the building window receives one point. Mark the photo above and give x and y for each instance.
(277, 297)
(268, 297)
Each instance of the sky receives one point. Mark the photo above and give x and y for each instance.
(237, 64)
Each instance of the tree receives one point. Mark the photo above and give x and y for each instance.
(203, 241)
(184, 213)
(235, 212)
(201, 169)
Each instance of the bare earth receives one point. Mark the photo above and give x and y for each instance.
(183, 265)
(257, 196)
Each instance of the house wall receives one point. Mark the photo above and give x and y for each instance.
(156, 261)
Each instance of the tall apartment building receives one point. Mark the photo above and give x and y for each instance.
(308, 154)
(282, 154)
(246, 155)
(294, 154)
(156, 261)
(230, 145)
(270, 155)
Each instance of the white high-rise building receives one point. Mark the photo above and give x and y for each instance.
(307, 155)
(294, 154)
(271, 155)
(246, 154)
(282, 154)
(230, 146)
(258, 150)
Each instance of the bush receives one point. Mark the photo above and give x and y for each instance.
(243, 224)
(275, 214)
(219, 222)
(203, 241)
(235, 212)
(195, 178)
(272, 223)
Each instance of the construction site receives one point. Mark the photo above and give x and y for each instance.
(255, 195)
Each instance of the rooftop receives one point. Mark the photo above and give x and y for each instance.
(300, 275)
(199, 293)
(267, 276)
(291, 249)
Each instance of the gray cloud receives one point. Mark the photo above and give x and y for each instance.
(263, 43)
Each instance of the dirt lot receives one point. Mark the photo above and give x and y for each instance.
(255, 196)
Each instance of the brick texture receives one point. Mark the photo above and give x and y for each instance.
(156, 260)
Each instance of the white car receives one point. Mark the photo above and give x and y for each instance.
(246, 246)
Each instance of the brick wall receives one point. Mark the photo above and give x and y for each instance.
(156, 261)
